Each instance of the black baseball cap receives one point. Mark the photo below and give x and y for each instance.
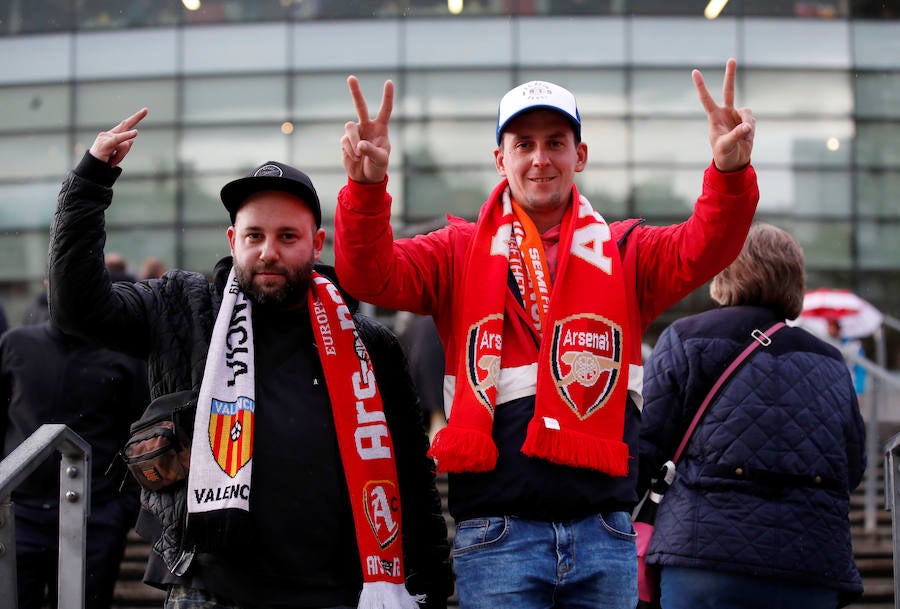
(271, 175)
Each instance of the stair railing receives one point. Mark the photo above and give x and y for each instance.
(74, 508)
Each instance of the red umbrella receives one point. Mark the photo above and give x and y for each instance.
(857, 316)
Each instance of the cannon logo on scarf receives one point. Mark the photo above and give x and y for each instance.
(585, 359)
(231, 433)
(382, 504)
(483, 347)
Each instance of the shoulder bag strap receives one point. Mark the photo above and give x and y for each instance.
(760, 339)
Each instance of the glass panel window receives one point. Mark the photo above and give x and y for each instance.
(451, 43)
(878, 145)
(142, 201)
(153, 152)
(103, 104)
(34, 156)
(666, 192)
(318, 96)
(879, 244)
(231, 149)
(875, 42)
(803, 142)
(607, 190)
(28, 16)
(877, 95)
(672, 92)
(23, 256)
(678, 42)
(319, 146)
(878, 194)
(608, 141)
(226, 49)
(126, 54)
(28, 204)
(788, 92)
(328, 183)
(457, 192)
(805, 193)
(201, 198)
(447, 143)
(451, 94)
(672, 142)
(253, 98)
(826, 244)
(218, 11)
(796, 42)
(34, 107)
(203, 247)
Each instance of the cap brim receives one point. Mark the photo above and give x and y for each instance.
(236, 192)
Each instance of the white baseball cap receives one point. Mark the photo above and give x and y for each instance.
(535, 95)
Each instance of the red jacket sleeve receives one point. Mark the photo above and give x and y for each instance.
(406, 275)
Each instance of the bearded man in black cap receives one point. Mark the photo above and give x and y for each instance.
(308, 481)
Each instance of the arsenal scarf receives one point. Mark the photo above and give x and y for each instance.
(580, 324)
(222, 452)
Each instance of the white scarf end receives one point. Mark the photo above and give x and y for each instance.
(385, 595)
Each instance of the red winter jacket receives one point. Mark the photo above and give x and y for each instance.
(662, 264)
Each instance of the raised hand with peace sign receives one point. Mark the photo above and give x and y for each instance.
(365, 146)
(731, 129)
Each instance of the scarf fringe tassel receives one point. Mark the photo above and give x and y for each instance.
(463, 449)
(573, 448)
(386, 595)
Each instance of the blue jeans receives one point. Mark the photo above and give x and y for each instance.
(685, 588)
(529, 564)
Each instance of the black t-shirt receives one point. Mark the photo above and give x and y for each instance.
(302, 550)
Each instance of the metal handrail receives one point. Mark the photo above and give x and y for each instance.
(892, 503)
(74, 508)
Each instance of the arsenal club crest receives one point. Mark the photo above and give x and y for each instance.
(483, 347)
(231, 433)
(586, 360)
(382, 509)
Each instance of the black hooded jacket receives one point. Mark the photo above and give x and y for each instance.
(169, 322)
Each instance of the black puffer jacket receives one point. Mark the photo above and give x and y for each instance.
(169, 322)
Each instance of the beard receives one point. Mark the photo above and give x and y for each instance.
(286, 294)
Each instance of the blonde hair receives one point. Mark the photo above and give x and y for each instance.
(769, 272)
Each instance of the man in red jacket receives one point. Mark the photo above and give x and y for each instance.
(541, 305)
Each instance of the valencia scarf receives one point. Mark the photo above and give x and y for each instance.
(220, 478)
(580, 324)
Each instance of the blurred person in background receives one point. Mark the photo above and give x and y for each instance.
(47, 376)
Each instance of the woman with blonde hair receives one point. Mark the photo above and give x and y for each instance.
(758, 513)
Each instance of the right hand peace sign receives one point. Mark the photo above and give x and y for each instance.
(731, 129)
(112, 146)
(365, 146)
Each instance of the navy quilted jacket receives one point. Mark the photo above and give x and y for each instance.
(763, 488)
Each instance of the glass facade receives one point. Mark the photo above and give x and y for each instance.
(229, 88)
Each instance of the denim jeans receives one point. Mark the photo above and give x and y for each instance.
(528, 564)
(685, 588)
(182, 597)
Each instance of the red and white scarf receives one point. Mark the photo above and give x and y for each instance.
(580, 324)
(222, 452)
